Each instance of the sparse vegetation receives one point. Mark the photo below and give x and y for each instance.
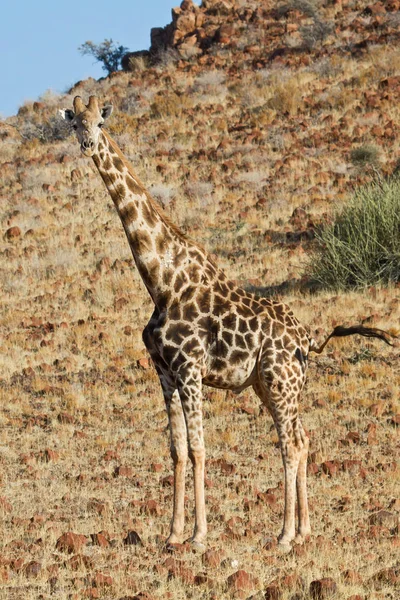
(365, 156)
(362, 246)
(84, 446)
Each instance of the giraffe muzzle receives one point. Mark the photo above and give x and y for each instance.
(87, 147)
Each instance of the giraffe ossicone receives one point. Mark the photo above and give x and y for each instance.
(206, 330)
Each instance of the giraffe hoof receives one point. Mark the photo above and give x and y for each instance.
(196, 546)
(284, 547)
(301, 539)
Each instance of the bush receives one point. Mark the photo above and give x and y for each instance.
(365, 156)
(107, 53)
(362, 246)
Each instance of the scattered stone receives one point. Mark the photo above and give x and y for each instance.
(384, 517)
(133, 539)
(273, 592)
(330, 468)
(151, 507)
(99, 539)
(80, 561)
(241, 580)
(388, 576)
(322, 588)
(76, 174)
(123, 472)
(213, 558)
(101, 580)
(352, 577)
(65, 418)
(32, 569)
(12, 233)
(143, 363)
(71, 542)
(177, 568)
(4, 504)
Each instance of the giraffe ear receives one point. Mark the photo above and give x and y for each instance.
(67, 114)
(106, 111)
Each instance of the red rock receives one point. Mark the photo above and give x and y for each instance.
(47, 187)
(375, 9)
(241, 580)
(71, 542)
(167, 481)
(91, 592)
(4, 504)
(123, 472)
(177, 568)
(133, 539)
(351, 466)
(101, 580)
(151, 507)
(76, 174)
(330, 468)
(226, 468)
(98, 539)
(80, 561)
(32, 569)
(97, 506)
(312, 468)
(17, 564)
(143, 363)
(267, 497)
(377, 409)
(384, 517)
(352, 577)
(353, 436)
(273, 592)
(212, 558)
(65, 417)
(12, 233)
(323, 588)
(388, 576)
(50, 455)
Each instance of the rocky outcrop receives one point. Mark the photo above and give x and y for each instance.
(195, 28)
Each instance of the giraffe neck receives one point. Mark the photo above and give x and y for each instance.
(167, 261)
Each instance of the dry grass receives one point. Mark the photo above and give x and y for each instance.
(231, 156)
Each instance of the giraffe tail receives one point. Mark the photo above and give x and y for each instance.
(340, 331)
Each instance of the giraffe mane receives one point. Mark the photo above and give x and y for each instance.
(154, 204)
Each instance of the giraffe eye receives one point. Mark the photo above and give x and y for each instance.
(75, 126)
(101, 125)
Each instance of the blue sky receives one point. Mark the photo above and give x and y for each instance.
(39, 41)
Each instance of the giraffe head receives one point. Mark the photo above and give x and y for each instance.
(87, 122)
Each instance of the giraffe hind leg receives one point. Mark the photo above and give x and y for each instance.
(281, 400)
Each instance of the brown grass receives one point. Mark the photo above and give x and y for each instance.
(75, 402)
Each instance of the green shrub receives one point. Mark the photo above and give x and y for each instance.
(365, 156)
(362, 246)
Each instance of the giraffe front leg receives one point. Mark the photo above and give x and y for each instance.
(190, 392)
(179, 453)
(304, 528)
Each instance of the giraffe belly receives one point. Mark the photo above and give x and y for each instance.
(230, 377)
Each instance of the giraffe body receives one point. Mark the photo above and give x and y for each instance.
(205, 330)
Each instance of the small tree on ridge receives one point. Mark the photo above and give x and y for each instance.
(108, 53)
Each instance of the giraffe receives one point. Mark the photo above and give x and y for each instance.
(207, 330)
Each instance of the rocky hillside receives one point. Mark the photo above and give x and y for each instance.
(251, 123)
